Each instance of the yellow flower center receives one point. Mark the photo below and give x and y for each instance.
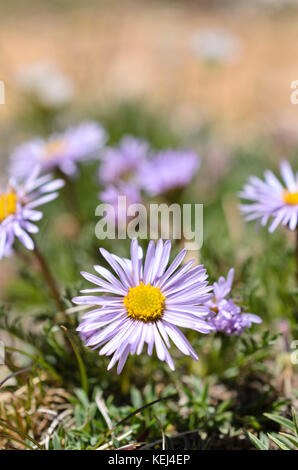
(214, 309)
(8, 205)
(290, 198)
(54, 148)
(145, 303)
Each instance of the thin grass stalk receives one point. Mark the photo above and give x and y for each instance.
(82, 369)
(110, 431)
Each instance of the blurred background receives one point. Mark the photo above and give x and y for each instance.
(211, 75)
(229, 62)
(214, 76)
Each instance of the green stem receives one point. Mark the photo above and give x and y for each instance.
(48, 277)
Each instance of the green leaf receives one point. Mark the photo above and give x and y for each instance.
(258, 444)
(295, 421)
(224, 406)
(291, 438)
(83, 397)
(279, 442)
(285, 422)
(136, 397)
(56, 442)
(205, 393)
(264, 439)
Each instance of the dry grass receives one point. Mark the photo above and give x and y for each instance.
(36, 409)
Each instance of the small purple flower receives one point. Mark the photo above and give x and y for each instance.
(144, 303)
(18, 212)
(121, 163)
(227, 317)
(111, 193)
(168, 170)
(271, 199)
(114, 195)
(60, 151)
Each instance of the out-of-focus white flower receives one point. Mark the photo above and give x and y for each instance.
(216, 46)
(45, 83)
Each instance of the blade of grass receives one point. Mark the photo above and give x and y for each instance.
(285, 422)
(279, 442)
(295, 420)
(6, 424)
(290, 438)
(7, 436)
(37, 359)
(163, 436)
(109, 432)
(82, 369)
(14, 374)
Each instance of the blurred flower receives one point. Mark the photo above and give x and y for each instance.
(120, 163)
(17, 208)
(215, 45)
(270, 198)
(111, 196)
(60, 151)
(46, 84)
(168, 170)
(144, 304)
(227, 316)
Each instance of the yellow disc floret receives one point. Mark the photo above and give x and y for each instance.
(54, 148)
(145, 303)
(290, 198)
(8, 204)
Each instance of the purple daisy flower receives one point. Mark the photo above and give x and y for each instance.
(228, 317)
(61, 151)
(168, 170)
(111, 193)
(144, 303)
(18, 212)
(122, 162)
(111, 196)
(272, 199)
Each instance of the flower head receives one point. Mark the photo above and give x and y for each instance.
(168, 170)
(144, 303)
(120, 163)
(18, 214)
(61, 151)
(227, 317)
(120, 197)
(272, 199)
